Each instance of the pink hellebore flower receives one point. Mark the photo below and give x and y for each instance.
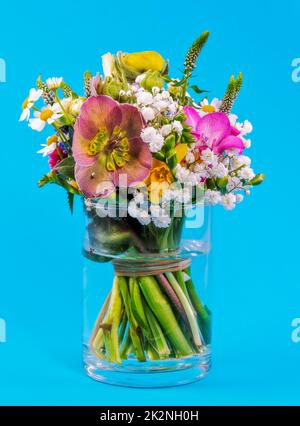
(107, 144)
(213, 131)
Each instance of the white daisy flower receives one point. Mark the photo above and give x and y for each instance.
(54, 83)
(48, 115)
(207, 108)
(34, 95)
(47, 149)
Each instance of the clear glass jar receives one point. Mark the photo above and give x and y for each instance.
(147, 317)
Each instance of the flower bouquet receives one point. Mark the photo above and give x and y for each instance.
(143, 153)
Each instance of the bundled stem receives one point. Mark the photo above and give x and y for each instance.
(151, 317)
(153, 311)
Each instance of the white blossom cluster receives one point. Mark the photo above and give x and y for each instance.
(198, 165)
(139, 209)
(154, 107)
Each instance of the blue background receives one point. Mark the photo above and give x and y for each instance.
(256, 247)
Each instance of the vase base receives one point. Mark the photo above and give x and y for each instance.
(149, 374)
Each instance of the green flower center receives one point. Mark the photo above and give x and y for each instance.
(115, 149)
(118, 150)
(99, 142)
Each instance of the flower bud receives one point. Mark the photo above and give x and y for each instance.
(76, 106)
(152, 79)
(134, 64)
(222, 182)
(112, 88)
(107, 64)
(144, 61)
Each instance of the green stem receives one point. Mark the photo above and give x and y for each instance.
(123, 326)
(125, 348)
(158, 341)
(68, 116)
(136, 341)
(204, 316)
(198, 306)
(137, 304)
(188, 309)
(164, 314)
(111, 326)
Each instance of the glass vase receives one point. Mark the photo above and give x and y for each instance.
(147, 317)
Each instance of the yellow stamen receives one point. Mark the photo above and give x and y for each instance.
(52, 139)
(25, 104)
(99, 142)
(46, 114)
(208, 108)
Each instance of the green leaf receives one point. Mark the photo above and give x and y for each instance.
(159, 156)
(71, 201)
(66, 167)
(198, 90)
(258, 179)
(169, 142)
(44, 180)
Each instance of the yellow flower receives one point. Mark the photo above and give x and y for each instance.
(159, 179)
(181, 151)
(144, 61)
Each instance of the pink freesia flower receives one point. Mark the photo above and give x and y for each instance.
(213, 131)
(107, 144)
